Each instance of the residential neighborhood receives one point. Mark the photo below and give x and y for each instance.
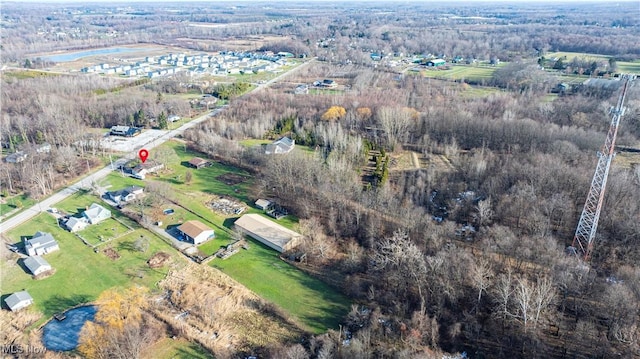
(319, 180)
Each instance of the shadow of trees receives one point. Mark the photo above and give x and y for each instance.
(59, 303)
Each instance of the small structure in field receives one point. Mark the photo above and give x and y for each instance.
(37, 265)
(198, 163)
(263, 204)
(18, 300)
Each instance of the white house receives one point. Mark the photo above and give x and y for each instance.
(75, 224)
(96, 213)
(281, 146)
(196, 232)
(18, 300)
(125, 195)
(37, 265)
(41, 243)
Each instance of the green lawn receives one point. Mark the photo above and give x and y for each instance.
(117, 181)
(310, 302)
(176, 349)
(104, 231)
(459, 72)
(18, 201)
(81, 275)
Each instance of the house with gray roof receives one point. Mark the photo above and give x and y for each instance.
(125, 195)
(41, 243)
(37, 265)
(75, 224)
(96, 214)
(281, 146)
(18, 300)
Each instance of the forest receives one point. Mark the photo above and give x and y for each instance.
(465, 250)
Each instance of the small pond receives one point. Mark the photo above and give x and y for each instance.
(63, 335)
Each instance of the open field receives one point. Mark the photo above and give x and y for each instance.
(313, 304)
(462, 72)
(168, 348)
(81, 275)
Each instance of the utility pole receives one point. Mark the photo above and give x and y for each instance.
(585, 234)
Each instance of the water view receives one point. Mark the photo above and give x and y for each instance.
(63, 335)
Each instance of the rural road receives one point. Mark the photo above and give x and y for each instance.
(86, 182)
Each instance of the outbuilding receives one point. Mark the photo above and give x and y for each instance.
(18, 300)
(195, 231)
(37, 265)
(268, 232)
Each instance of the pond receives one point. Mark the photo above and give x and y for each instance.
(63, 335)
(72, 56)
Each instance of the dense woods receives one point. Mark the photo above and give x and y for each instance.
(464, 250)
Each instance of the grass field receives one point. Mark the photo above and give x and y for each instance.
(11, 203)
(310, 302)
(175, 349)
(459, 72)
(81, 275)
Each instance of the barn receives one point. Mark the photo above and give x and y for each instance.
(268, 232)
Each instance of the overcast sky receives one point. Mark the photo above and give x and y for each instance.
(293, 1)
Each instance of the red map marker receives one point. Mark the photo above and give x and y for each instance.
(143, 154)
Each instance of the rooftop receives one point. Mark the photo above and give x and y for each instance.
(193, 228)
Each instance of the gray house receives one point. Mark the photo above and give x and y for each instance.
(283, 145)
(18, 300)
(41, 243)
(75, 224)
(37, 265)
(96, 214)
(125, 195)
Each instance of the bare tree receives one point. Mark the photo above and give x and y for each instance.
(482, 275)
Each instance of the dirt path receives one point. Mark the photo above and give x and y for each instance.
(415, 160)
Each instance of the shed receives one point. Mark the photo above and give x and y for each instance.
(268, 232)
(263, 204)
(37, 265)
(18, 300)
(198, 162)
(196, 232)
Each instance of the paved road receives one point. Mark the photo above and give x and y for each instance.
(86, 182)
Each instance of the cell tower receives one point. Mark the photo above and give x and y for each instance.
(588, 223)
